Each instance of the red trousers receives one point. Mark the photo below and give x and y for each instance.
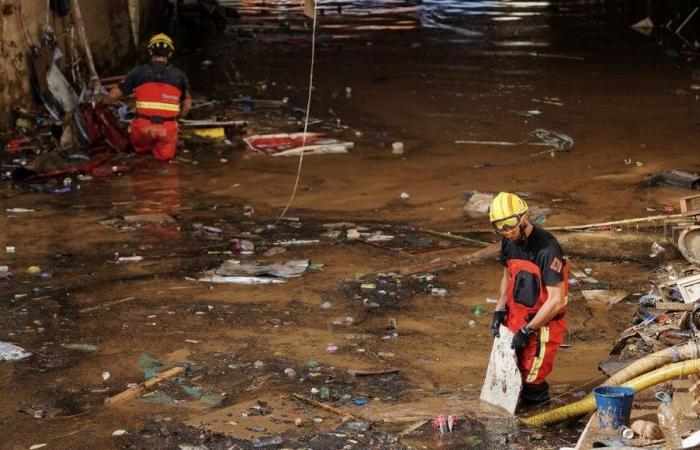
(159, 138)
(537, 359)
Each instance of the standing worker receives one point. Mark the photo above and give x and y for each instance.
(534, 294)
(162, 96)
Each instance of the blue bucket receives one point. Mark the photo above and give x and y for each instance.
(614, 405)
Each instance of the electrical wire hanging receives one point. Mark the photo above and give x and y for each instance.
(306, 120)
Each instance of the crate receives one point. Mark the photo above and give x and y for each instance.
(690, 205)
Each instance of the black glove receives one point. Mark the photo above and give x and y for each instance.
(521, 338)
(498, 317)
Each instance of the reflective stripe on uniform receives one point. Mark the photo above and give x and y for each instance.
(158, 105)
(537, 363)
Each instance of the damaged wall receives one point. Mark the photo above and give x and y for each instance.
(108, 25)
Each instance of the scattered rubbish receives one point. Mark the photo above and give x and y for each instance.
(232, 271)
(439, 292)
(257, 443)
(33, 270)
(353, 234)
(471, 323)
(37, 446)
(656, 249)
(291, 373)
(9, 249)
(291, 144)
(128, 259)
(140, 389)
(558, 141)
(548, 101)
(674, 178)
(500, 143)
(106, 376)
(11, 352)
(645, 25)
(608, 297)
(331, 348)
(274, 251)
(294, 242)
(404, 196)
(33, 411)
(647, 429)
(19, 210)
(370, 372)
(88, 348)
(478, 310)
(397, 148)
(491, 300)
(119, 433)
(360, 401)
(216, 133)
(689, 288)
(149, 218)
(477, 203)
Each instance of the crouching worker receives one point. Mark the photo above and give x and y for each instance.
(534, 294)
(162, 96)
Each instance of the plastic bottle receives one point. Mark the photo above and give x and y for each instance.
(668, 420)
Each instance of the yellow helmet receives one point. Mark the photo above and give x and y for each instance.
(506, 211)
(161, 42)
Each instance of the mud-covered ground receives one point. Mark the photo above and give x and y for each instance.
(426, 75)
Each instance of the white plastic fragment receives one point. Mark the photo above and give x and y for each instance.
(10, 352)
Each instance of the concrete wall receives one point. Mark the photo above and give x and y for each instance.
(108, 26)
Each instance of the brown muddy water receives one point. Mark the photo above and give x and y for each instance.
(426, 74)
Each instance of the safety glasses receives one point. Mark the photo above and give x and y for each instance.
(508, 224)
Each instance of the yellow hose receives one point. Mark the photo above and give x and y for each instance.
(684, 352)
(586, 405)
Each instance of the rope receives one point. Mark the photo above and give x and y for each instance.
(306, 120)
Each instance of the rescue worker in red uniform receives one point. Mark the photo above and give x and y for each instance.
(533, 294)
(162, 96)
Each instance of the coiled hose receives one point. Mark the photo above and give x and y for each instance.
(639, 375)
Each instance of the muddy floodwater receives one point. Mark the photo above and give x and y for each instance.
(432, 75)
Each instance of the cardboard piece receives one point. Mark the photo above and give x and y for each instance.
(503, 381)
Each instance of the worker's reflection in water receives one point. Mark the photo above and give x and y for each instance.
(156, 190)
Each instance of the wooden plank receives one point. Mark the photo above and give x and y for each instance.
(503, 382)
(690, 205)
(488, 252)
(673, 306)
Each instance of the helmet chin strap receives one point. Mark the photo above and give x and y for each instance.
(522, 239)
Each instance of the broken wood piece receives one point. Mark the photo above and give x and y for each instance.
(105, 305)
(487, 252)
(690, 205)
(616, 222)
(329, 408)
(454, 237)
(413, 427)
(673, 306)
(361, 373)
(149, 218)
(144, 387)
